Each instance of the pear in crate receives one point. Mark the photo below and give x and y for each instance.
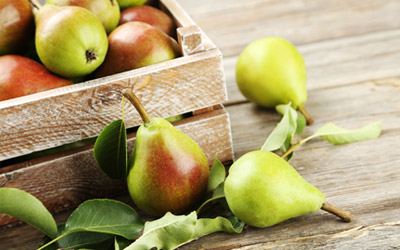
(130, 3)
(270, 71)
(149, 15)
(135, 44)
(106, 10)
(16, 26)
(70, 41)
(23, 76)
(262, 189)
(168, 171)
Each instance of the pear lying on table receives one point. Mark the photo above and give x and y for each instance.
(262, 189)
(168, 171)
(270, 71)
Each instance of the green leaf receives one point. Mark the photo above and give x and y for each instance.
(207, 226)
(285, 147)
(301, 123)
(121, 243)
(26, 207)
(285, 128)
(217, 175)
(110, 150)
(337, 135)
(79, 240)
(105, 216)
(217, 194)
(171, 231)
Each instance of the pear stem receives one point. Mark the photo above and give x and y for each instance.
(138, 105)
(291, 149)
(344, 215)
(308, 117)
(36, 4)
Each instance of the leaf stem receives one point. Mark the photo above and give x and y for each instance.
(307, 115)
(291, 149)
(36, 4)
(138, 105)
(53, 241)
(344, 215)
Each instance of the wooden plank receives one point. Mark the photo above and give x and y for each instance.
(231, 25)
(56, 117)
(340, 61)
(68, 179)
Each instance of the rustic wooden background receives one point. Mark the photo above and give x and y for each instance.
(352, 52)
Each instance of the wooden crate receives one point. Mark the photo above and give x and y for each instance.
(193, 83)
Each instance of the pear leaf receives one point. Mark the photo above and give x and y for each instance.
(172, 231)
(26, 207)
(105, 216)
(217, 175)
(337, 135)
(301, 123)
(110, 150)
(121, 243)
(285, 128)
(285, 147)
(217, 194)
(80, 240)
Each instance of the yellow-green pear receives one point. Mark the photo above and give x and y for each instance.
(270, 71)
(262, 189)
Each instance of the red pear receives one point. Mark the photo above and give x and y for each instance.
(149, 15)
(135, 44)
(23, 76)
(16, 25)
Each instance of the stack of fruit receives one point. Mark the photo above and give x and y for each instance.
(67, 41)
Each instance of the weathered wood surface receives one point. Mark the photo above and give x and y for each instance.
(64, 180)
(352, 52)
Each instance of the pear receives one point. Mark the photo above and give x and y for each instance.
(270, 71)
(130, 3)
(262, 189)
(16, 26)
(70, 41)
(23, 76)
(149, 15)
(168, 171)
(136, 44)
(106, 10)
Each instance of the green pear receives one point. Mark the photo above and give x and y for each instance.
(70, 41)
(262, 189)
(106, 10)
(130, 3)
(270, 71)
(168, 171)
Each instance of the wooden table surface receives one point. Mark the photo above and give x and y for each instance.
(352, 53)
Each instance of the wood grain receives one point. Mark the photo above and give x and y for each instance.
(68, 179)
(231, 25)
(53, 118)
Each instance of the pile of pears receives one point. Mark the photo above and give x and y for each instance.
(71, 41)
